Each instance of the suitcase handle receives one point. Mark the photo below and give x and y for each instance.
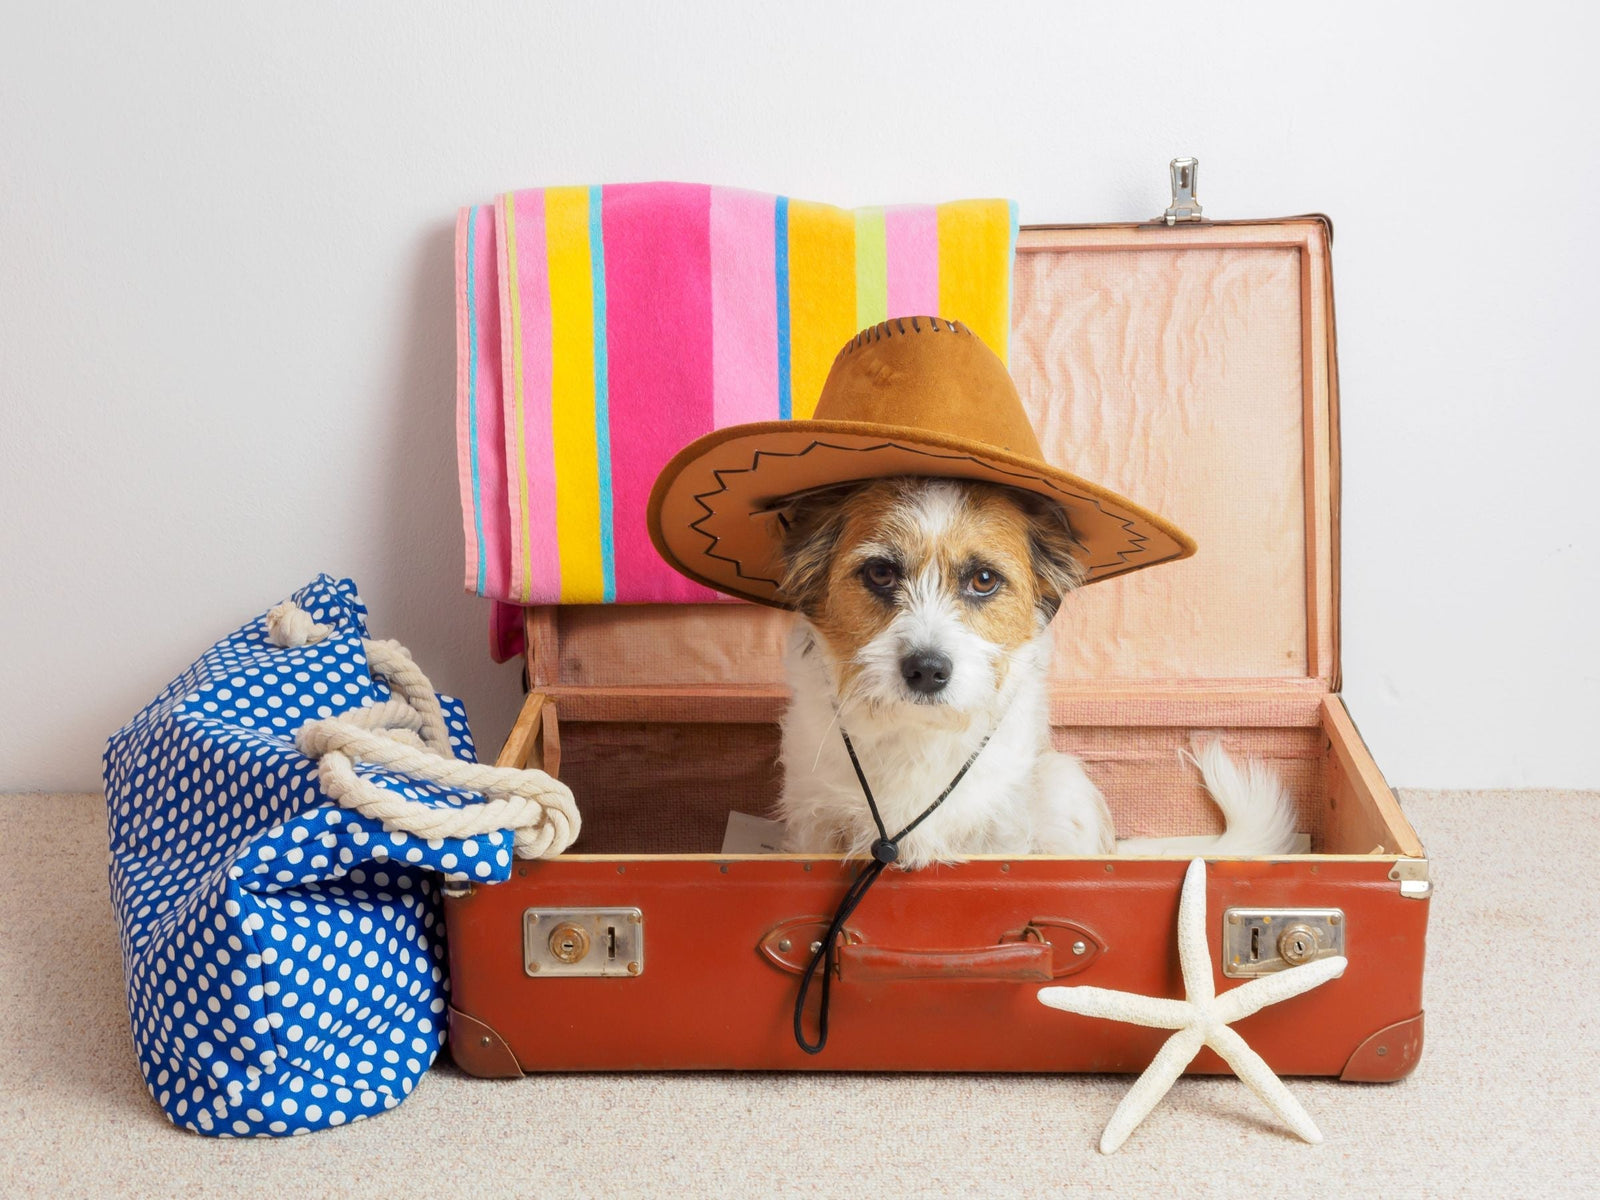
(1045, 948)
(1015, 962)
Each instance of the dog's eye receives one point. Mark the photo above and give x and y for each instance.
(880, 575)
(984, 582)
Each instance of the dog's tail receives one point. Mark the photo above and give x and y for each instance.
(1257, 810)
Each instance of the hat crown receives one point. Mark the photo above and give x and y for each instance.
(931, 374)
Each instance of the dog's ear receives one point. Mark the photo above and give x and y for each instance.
(1057, 567)
(812, 523)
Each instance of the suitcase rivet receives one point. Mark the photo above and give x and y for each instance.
(484, 1041)
(784, 945)
(1335, 919)
(522, 871)
(815, 946)
(724, 868)
(1108, 868)
(1382, 1050)
(633, 968)
(1080, 948)
(1005, 866)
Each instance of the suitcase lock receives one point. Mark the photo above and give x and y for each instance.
(1262, 941)
(583, 941)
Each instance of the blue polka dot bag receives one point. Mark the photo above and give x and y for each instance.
(284, 952)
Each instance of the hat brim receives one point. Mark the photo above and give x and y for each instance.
(714, 511)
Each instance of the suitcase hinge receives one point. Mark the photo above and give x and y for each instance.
(1412, 874)
(1185, 205)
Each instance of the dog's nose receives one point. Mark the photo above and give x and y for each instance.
(925, 671)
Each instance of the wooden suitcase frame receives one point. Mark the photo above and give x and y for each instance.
(930, 979)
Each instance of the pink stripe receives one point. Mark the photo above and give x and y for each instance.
(658, 349)
(463, 421)
(535, 563)
(911, 244)
(744, 313)
(494, 515)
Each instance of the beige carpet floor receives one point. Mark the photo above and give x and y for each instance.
(1503, 1104)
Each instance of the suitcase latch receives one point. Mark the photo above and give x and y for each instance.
(1261, 941)
(565, 942)
(1185, 204)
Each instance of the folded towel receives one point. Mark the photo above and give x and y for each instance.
(601, 329)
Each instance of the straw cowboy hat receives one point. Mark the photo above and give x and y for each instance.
(912, 396)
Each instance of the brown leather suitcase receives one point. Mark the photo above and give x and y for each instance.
(1189, 364)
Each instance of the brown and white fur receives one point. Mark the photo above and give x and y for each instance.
(925, 606)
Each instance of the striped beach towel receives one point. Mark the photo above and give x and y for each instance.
(601, 329)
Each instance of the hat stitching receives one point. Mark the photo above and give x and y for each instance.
(886, 329)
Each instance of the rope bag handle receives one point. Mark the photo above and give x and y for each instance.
(407, 735)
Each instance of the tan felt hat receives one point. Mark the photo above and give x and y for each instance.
(912, 396)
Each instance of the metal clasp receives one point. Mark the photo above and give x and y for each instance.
(1412, 875)
(1262, 941)
(1185, 183)
(558, 942)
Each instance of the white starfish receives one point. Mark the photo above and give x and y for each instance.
(1201, 1020)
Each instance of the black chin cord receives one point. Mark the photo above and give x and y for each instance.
(884, 851)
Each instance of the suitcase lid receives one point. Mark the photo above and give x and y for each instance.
(1191, 367)
(1185, 363)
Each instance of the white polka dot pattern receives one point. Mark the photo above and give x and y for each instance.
(284, 956)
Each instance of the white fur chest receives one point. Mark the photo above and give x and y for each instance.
(909, 758)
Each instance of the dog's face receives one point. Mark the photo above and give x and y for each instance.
(925, 591)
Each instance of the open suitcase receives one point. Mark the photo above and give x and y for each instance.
(1185, 362)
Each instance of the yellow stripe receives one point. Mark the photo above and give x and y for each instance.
(822, 296)
(515, 291)
(974, 251)
(566, 222)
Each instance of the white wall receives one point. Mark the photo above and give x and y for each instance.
(226, 327)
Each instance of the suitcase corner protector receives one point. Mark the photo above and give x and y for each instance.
(1388, 1055)
(479, 1050)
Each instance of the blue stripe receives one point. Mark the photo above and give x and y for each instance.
(472, 392)
(780, 239)
(602, 393)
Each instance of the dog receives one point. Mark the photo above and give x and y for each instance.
(923, 630)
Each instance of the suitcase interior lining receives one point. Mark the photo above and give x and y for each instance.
(667, 789)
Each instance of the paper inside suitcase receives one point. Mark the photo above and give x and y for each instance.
(1191, 368)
